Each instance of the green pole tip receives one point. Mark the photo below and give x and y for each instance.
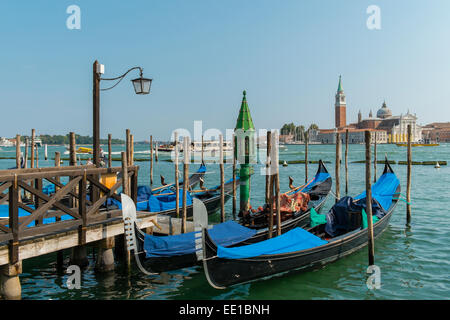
(245, 92)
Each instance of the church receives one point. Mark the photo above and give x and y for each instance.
(384, 128)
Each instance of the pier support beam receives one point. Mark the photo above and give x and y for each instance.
(105, 256)
(78, 257)
(10, 282)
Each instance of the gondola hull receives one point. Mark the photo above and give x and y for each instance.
(222, 273)
(161, 264)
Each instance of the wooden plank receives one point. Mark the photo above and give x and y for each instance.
(52, 243)
(14, 223)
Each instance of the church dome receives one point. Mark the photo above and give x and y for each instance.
(384, 112)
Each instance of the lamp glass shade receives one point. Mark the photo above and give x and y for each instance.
(142, 85)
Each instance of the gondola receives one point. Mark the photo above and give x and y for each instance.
(318, 190)
(301, 249)
(164, 253)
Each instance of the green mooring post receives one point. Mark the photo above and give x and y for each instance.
(245, 152)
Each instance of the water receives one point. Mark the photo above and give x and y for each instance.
(414, 260)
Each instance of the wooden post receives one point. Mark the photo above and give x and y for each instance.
(346, 161)
(185, 181)
(18, 164)
(59, 254)
(338, 165)
(37, 156)
(131, 150)
(127, 133)
(26, 154)
(277, 179)
(268, 173)
(369, 200)
(234, 177)
(45, 152)
(177, 183)
(33, 137)
(109, 150)
(375, 158)
(125, 178)
(408, 178)
(222, 180)
(202, 149)
(156, 151)
(72, 147)
(271, 202)
(151, 160)
(125, 190)
(306, 155)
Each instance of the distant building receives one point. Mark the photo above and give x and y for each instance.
(328, 136)
(286, 138)
(436, 132)
(388, 128)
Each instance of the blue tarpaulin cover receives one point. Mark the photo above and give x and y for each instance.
(4, 213)
(294, 240)
(226, 234)
(319, 177)
(383, 191)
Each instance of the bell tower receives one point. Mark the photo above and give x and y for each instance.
(340, 107)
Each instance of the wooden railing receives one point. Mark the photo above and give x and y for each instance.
(23, 188)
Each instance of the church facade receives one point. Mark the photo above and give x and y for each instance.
(384, 128)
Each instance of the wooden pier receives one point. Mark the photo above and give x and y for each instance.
(76, 220)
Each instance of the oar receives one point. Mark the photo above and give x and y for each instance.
(302, 187)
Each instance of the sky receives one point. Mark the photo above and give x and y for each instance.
(201, 55)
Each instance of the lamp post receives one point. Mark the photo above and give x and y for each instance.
(141, 86)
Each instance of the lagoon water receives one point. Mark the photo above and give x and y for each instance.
(414, 260)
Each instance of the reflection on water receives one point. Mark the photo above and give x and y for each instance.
(414, 260)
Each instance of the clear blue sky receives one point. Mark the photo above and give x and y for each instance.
(202, 54)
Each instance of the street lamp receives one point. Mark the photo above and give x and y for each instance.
(141, 86)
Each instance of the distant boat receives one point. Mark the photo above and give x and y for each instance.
(437, 165)
(418, 144)
(6, 142)
(285, 163)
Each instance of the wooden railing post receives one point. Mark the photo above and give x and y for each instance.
(14, 221)
(134, 185)
(82, 185)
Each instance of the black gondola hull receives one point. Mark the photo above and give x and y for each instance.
(222, 273)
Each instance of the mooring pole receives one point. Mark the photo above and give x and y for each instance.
(277, 179)
(156, 151)
(375, 158)
(371, 246)
(151, 160)
(72, 147)
(26, 154)
(338, 165)
(306, 155)
(18, 164)
(127, 141)
(346, 161)
(202, 148)
(234, 177)
(177, 183)
(131, 150)
(408, 178)
(109, 150)
(222, 180)
(33, 137)
(37, 156)
(185, 181)
(268, 174)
